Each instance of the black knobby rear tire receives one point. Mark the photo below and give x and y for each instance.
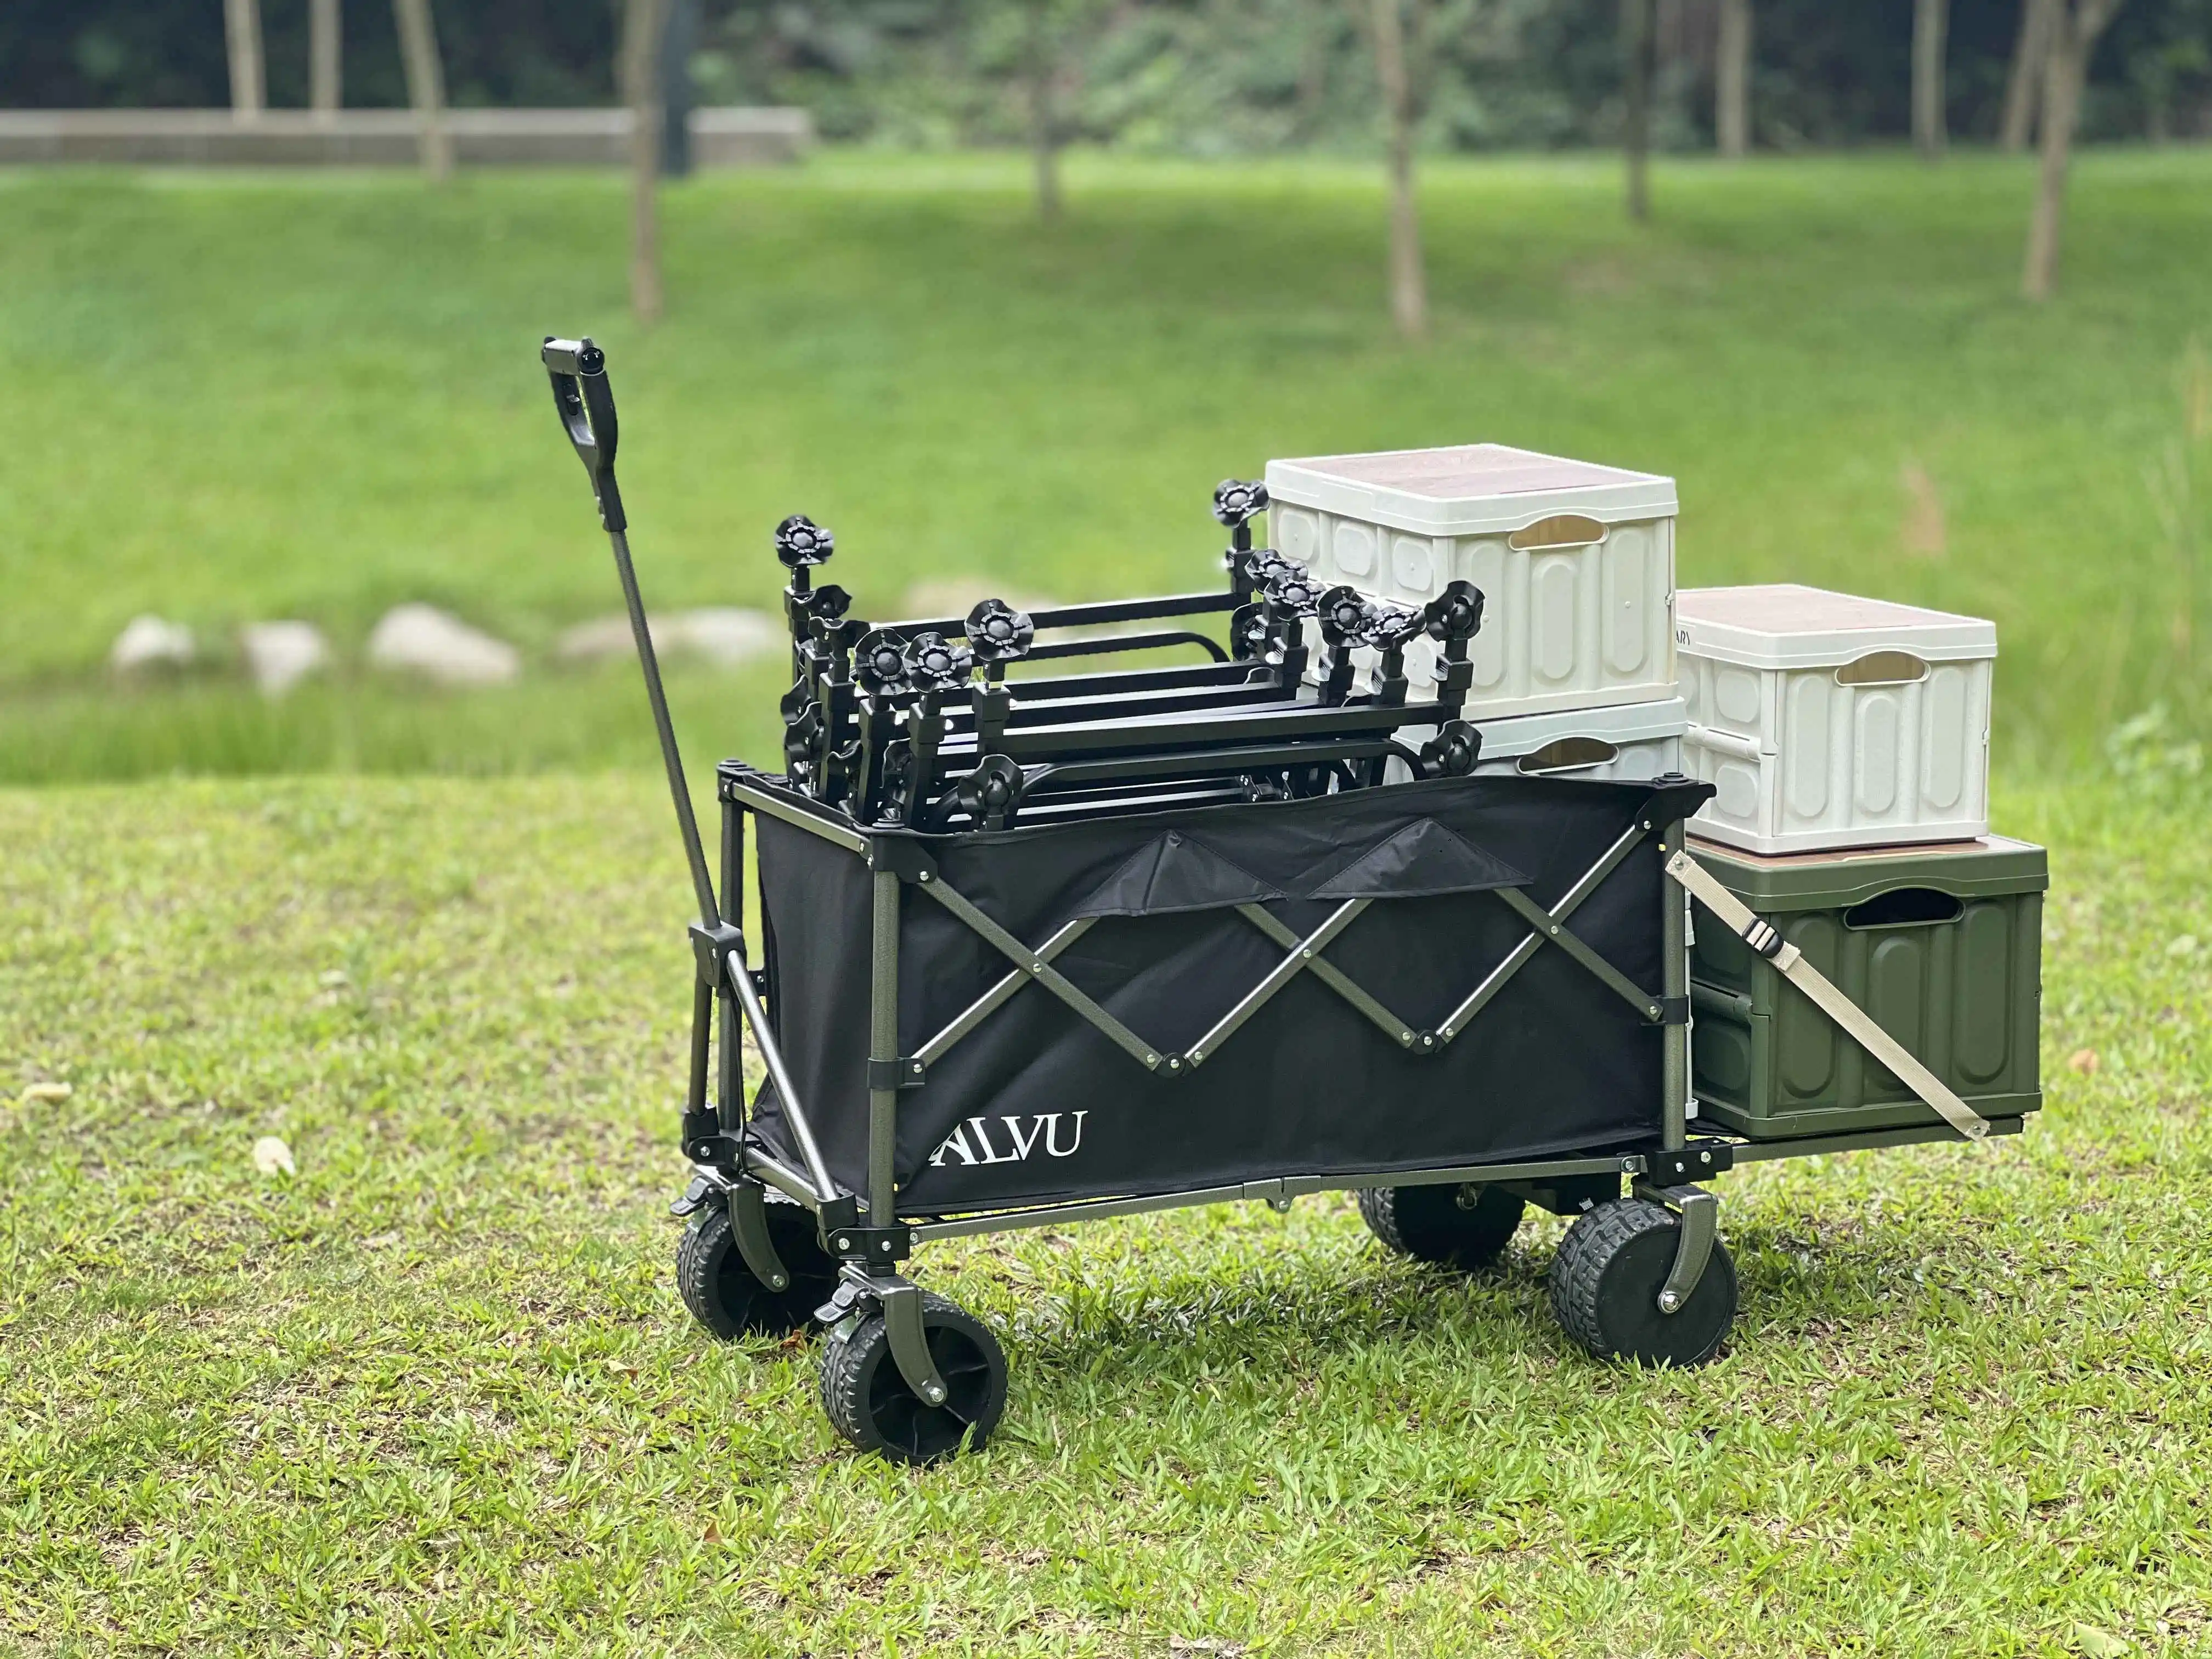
(721, 1290)
(1434, 1224)
(869, 1403)
(1605, 1282)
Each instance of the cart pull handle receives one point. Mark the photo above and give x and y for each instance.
(1790, 964)
(578, 369)
(585, 404)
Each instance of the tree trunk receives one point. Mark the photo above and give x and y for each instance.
(1931, 18)
(643, 22)
(1409, 297)
(2073, 38)
(1732, 80)
(324, 48)
(2030, 53)
(1043, 122)
(249, 80)
(1313, 66)
(426, 85)
(1637, 42)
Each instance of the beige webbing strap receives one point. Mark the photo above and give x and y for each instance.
(1790, 963)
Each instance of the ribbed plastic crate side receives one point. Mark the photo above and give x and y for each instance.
(1580, 626)
(1954, 974)
(1870, 734)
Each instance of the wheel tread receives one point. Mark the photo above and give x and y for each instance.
(845, 1374)
(710, 1246)
(1595, 1238)
(1426, 1223)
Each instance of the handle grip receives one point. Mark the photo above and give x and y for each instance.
(578, 370)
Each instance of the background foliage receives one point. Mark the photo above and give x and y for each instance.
(1187, 75)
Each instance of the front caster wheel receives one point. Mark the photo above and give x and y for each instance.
(720, 1290)
(1462, 1227)
(870, 1404)
(1605, 1282)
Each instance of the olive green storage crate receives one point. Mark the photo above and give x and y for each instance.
(1941, 945)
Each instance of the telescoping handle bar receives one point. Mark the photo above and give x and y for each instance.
(578, 369)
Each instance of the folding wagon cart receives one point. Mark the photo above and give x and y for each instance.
(1036, 950)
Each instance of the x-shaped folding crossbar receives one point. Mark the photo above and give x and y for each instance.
(1303, 953)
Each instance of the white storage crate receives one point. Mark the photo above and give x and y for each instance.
(1576, 563)
(1629, 741)
(1825, 720)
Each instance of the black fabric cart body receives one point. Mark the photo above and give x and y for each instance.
(1291, 983)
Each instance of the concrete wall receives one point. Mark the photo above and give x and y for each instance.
(385, 137)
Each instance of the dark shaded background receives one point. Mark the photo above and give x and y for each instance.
(1196, 76)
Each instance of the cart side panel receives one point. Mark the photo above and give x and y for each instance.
(1038, 1105)
(816, 897)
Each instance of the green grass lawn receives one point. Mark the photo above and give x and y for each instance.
(234, 396)
(436, 1394)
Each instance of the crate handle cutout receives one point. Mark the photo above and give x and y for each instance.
(1883, 668)
(1561, 530)
(1906, 907)
(1567, 755)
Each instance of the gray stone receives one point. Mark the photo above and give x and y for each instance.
(723, 636)
(280, 654)
(151, 642)
(421, 639)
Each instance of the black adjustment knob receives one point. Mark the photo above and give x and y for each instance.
(880, 663)
(801, 542)
(999, 633)
(1344, 613)
(1454, 614)
(991, 790)
(1235, 502)
(1454, 749)
(1290, 590)
(824, 608)
(1387, 626)
(934, 663)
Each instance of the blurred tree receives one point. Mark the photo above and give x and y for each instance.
(2166, 53)
(1732, 80)
(1041, 70)
(1930, 20)
(426, 85)
(645, 24)
(2074, 36)
(2031, 54)
(1638, 44)
(325, 48)
(249, 81)
(1039, 53)
(1409, 295)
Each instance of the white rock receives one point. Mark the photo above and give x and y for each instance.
(723, 636)
(280, 654)
(272, 1157)
(151, 642)
(602, 636)
(422, 639)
